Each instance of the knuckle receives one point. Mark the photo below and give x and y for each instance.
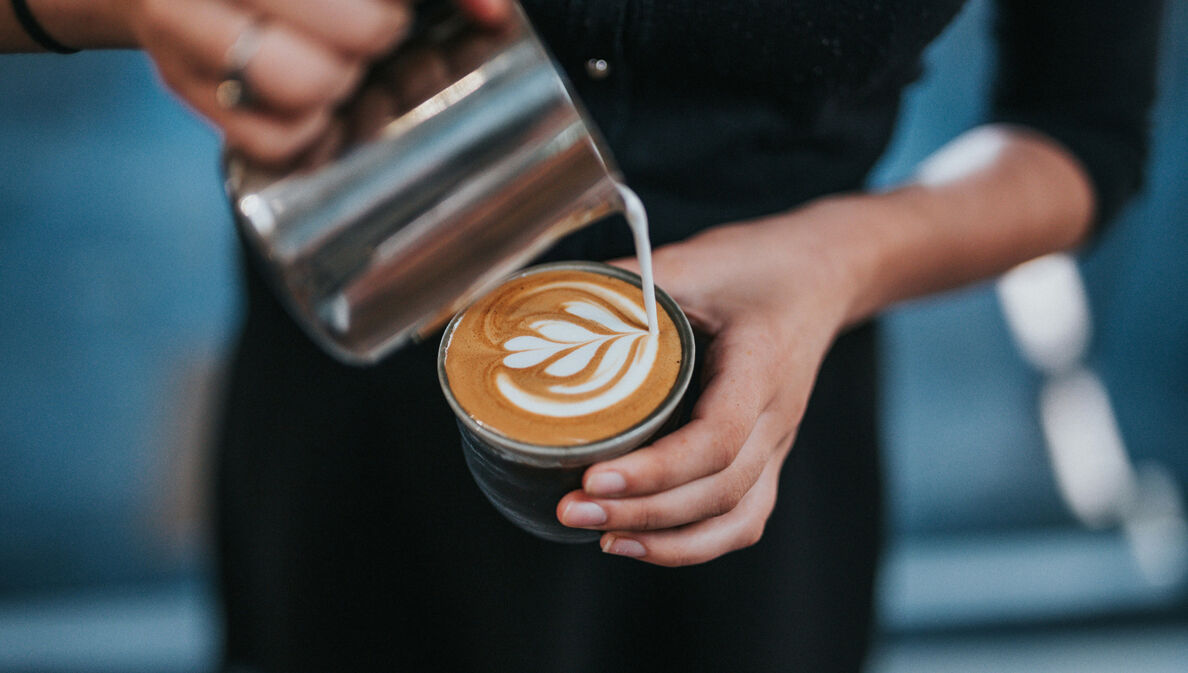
(752, 533)
(347, 80)
(315, 86)
(723, 454)
(733, 433)
(643, 476)
(682, 555)
(734, 488)
(380, 35)
(647, 519)
(798, 405)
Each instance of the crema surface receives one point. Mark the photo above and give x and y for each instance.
(561, 358)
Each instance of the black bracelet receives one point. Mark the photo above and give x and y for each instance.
(35, 31)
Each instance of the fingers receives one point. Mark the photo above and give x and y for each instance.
(267, 137)
(704, 498)
(356, 28)
(700, 491)
(308, 57)
(288, 72)
(738, 390)
(707, 539)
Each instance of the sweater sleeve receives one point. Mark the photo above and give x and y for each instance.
(1083, 73)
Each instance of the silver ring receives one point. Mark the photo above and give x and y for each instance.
(234, 91)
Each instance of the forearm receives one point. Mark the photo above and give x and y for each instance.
(81, 24)
(771, 295)
(993, 198)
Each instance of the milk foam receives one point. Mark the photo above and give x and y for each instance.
(578, 348)
(562, 357)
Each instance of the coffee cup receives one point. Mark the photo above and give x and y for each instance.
(555, 370)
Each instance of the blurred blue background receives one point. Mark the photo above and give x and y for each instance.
(119, 297)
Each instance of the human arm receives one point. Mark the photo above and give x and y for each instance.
(309, 55)
(772, 294)
(1074, 89)
(94, 24)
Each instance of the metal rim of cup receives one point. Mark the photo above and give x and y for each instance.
(604, 449)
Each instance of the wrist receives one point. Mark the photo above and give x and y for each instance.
(97, 24)
(847, 236)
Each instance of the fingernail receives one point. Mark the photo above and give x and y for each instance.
(624, 547)
(583, 514)
(605, 483)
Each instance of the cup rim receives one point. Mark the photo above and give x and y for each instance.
(542, 455)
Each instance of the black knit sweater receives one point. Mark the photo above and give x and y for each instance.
(721, 110)
(350, 535)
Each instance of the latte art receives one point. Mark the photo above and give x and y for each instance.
(561, 357)
(616, 353)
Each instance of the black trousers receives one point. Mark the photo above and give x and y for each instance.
(351, 537)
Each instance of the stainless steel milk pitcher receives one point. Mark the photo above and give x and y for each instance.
(463, 156)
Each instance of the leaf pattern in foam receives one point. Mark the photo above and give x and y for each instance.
(575, 361)
(599, 315)
(583, 345)
(529, 351)
(564, 331)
